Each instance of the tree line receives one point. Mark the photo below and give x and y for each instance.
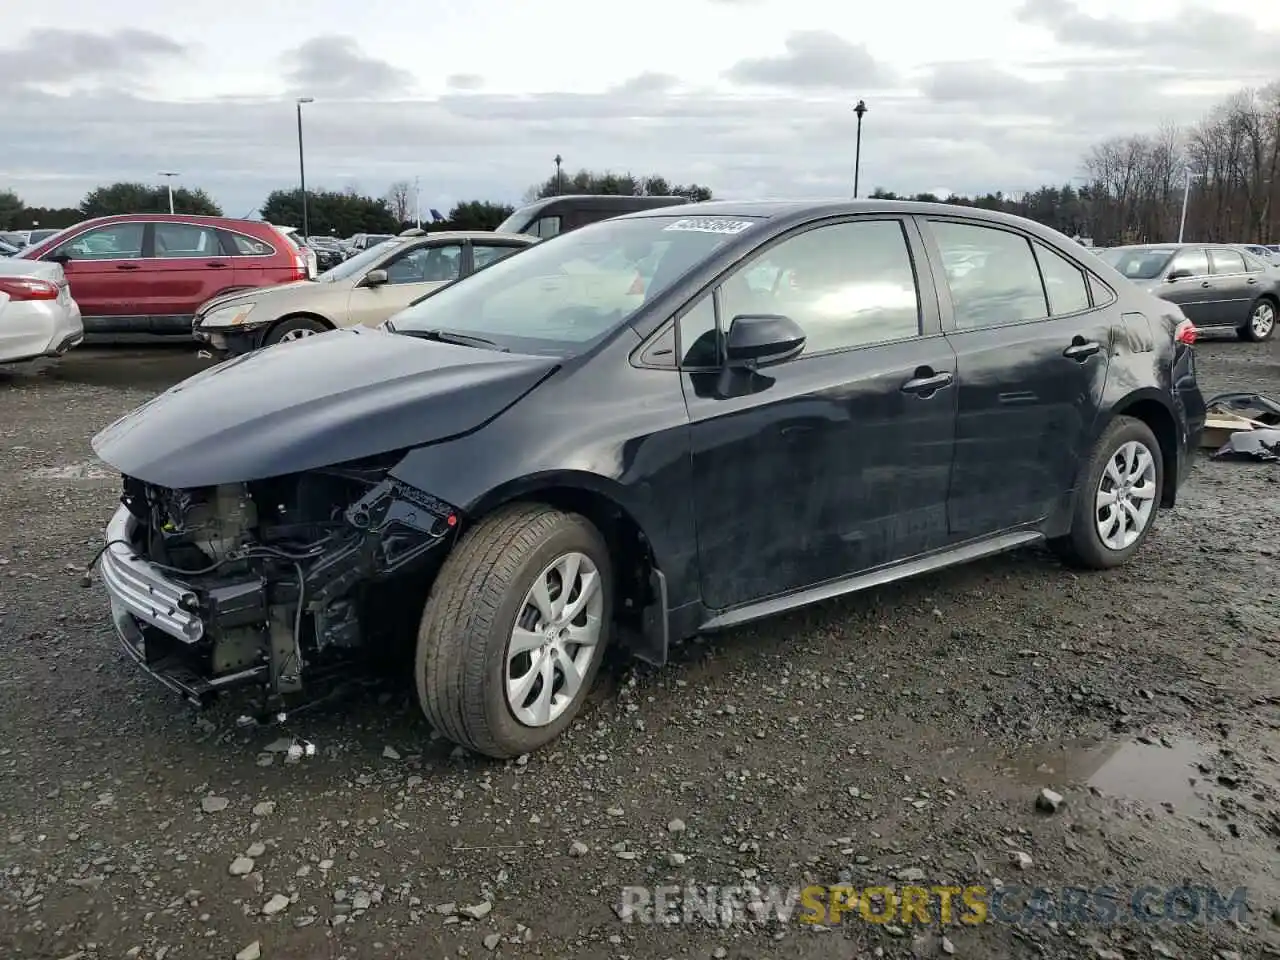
(1132, 190)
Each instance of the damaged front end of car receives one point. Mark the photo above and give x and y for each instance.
(281, 585)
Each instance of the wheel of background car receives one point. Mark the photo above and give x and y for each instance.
(514, 630)
(1118, 496)
(293, 328)
(1262, 322)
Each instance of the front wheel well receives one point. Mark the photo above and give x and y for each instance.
(629, 549)
(1157, 416)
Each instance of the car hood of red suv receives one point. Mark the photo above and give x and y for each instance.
(338, 397)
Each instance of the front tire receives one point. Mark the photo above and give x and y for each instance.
(293, 328)
(1117, 497)
(514, 630)
(1261, 323)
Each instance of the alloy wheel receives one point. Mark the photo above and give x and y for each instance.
(555, 637)
(1126, 495)
(297, 334)
(1262, 320)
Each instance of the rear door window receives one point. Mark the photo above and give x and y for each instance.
(1226, 261)
(176, 241)
(991, 273)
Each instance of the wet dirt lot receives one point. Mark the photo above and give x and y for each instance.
(900, 738)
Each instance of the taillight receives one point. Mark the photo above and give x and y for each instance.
(1185, 332)
(637, 288)
(300, 266)
(28, 288)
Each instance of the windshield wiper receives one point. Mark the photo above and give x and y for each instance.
(450, 336)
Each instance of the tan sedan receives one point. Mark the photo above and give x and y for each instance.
(365, 290)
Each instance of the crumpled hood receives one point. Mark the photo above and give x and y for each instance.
(340, 396)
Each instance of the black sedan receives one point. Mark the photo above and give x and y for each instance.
(672, 422)
(1215, 285)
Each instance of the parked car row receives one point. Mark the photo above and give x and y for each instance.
(148, 273)
(178, 275)
(659, 425)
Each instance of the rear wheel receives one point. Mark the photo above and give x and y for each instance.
(293, 328)
(1261, 323)
(514, 630)
(1117, 497)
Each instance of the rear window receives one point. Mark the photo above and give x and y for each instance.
(246, 246)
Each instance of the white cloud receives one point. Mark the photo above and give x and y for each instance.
(747, 96)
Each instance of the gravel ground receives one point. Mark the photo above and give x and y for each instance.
(901, 736)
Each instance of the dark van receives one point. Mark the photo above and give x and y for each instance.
(555, 215)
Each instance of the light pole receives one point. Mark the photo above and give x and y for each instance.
(169, 175)
(860, 108)
(417, 201)
(559, 160)
(1186, 196)
(302, 166)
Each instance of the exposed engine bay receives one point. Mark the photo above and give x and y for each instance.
(291, 578)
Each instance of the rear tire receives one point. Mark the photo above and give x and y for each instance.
(482, 633)
(293, 328)
(1118, 493)
(1261, 323)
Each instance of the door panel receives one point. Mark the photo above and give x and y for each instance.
(187, 266)
(105, 269)
(1026, 414)
(821, 466)
(1030, 384)
(1234, 286)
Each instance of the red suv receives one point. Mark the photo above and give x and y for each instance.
(147, 272)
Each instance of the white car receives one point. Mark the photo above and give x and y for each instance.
(38, 317)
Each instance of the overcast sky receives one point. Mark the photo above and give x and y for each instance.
(750, 97)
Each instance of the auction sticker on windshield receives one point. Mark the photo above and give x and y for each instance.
(709, 225)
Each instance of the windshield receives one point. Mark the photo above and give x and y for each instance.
(362, 261)
(375, 238)
(1139, 263)
(561, 294)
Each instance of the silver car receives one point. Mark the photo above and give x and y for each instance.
(38, 317)
(362, 291)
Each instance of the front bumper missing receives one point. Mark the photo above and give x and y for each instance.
(200, 635)
(156, 618)
(173, 671)
(139, 589)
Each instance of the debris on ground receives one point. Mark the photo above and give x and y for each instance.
(1242, 426)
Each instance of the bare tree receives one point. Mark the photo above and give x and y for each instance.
(400, 200)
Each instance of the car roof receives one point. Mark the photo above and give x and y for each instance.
(461, 235)
(812, 209)
(176, 217)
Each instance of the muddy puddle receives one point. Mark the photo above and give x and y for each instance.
(1178, 776)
